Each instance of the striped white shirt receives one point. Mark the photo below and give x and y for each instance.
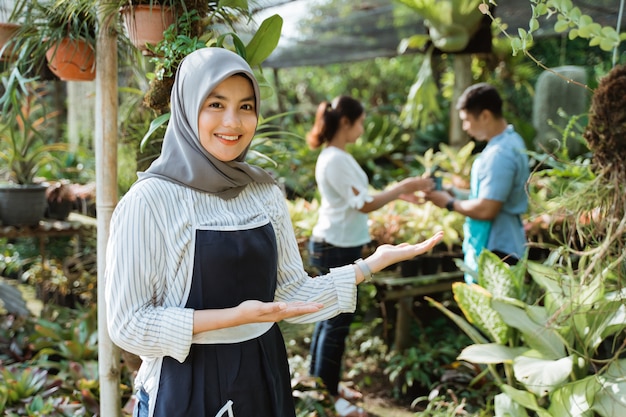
(149, 264)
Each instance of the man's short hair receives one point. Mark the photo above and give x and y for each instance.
(479, 97)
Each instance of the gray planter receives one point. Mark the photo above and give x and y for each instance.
(22, 205)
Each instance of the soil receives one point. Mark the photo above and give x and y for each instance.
(378, 405)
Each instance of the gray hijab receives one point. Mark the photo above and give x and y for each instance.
(183, 160)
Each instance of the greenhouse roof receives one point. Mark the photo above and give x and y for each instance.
(321, 32)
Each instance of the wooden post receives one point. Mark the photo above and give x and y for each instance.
(106, 199)
(403, 324)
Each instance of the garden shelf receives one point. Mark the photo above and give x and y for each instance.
(402, 291)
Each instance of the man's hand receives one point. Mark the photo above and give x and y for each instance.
(438, 198)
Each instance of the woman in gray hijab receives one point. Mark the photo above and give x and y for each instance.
(202, 261)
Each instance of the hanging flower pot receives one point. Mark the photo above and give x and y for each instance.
(146, 23)
(7, 31)
(72, 60)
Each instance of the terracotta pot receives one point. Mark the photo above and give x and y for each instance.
(72, 60)
(146, 23)
(7, 30)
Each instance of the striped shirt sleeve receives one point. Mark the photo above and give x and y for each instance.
(138, 319)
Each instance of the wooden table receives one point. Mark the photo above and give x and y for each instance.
(403, 290)
(47, 228)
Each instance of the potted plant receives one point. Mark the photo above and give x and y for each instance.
(199, 27)
(25, 152)
(61, 32)
(145, 22)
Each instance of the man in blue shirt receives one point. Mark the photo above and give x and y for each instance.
(497, 196)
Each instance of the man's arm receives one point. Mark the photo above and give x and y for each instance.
(476, 208)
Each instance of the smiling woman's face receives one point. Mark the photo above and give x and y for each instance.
(227, 119)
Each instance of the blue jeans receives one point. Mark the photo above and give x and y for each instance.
(329, 337)
(141, 406)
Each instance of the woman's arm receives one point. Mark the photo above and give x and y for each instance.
(407, 186)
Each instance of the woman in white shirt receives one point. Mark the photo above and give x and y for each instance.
(341, 230)
(202, 261)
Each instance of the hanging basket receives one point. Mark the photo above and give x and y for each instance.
(146, 23)
(72, 60)
(7, 31)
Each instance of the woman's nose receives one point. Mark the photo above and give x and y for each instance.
(231, 118)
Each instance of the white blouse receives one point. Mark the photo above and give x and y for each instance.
(340, 222)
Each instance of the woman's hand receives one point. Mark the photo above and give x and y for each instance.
(387, 254)
(258, 311)
(250, 311)
(413, 184)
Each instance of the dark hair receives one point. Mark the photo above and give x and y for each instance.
(329, 115)
(479, 97)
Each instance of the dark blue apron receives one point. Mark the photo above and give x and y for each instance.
(230, 267)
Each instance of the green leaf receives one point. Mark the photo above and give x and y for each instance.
(561, 26)
(418, 41)
(490, 353)
(496, 276)
(533, 25)
(234, 4)
(607, 321)
(525, 399)
(505, 406)
(516, 45)
(610, 400)
(475, 302)
(542, 376)
(574, 399)
(264, 40)
(607, 45)
(154, 126)
(551, 281)
(538, 335)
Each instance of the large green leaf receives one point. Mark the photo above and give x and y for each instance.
(496, 276)
(538, 335)
(608, 320)
(421, 105)
(154, 126)
(490, 353)
(542, 376)
(451, 23)
(551, 281)
(610, 400)
(574, 399)
(506, 407)
(264, 40)
(475, 302)
(525, 399)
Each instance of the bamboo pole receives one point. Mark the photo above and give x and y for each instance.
(106, 199)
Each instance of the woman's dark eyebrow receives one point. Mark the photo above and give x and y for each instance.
(221, 97)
